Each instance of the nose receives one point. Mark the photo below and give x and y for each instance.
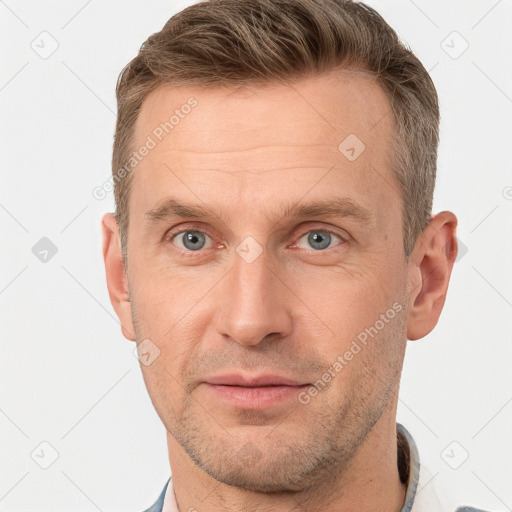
(254, 303)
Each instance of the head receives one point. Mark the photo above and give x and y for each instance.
(274, 166)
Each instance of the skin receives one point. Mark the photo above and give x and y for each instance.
(248, 153)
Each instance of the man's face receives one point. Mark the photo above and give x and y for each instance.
(269, 283)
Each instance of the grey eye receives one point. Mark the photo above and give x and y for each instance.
(191, 240)
(318, 239)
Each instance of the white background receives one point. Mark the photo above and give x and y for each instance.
(67, 375)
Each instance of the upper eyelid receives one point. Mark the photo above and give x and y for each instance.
(171, 233)
(326, 230)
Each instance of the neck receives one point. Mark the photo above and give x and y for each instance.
(370, 481)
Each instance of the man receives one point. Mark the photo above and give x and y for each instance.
(273, 249)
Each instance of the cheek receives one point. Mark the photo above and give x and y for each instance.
(165, 320)
(349, 299)
(166, 394)
(365, 314)
(164, 297)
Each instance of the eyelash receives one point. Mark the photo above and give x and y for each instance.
(171, 235)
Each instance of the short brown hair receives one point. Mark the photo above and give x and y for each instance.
(258, 41)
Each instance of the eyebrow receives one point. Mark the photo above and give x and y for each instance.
(335, 207)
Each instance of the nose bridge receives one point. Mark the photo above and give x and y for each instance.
(253, 304)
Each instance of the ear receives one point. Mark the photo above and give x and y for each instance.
(430, 268)
(117, 280)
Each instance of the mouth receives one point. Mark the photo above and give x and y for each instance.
(253, 392)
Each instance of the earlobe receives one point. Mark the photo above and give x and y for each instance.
(117, 280)
(430, 267)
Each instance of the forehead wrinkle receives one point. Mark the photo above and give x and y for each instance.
(251, 170)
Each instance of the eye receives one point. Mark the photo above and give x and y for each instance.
(191, 240)
(318, 239)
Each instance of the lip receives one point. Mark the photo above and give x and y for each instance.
(253, 392)
(234, 379)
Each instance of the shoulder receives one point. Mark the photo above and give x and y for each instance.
(470, 509)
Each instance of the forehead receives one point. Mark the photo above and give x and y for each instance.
(251, 139)
(333, 104)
